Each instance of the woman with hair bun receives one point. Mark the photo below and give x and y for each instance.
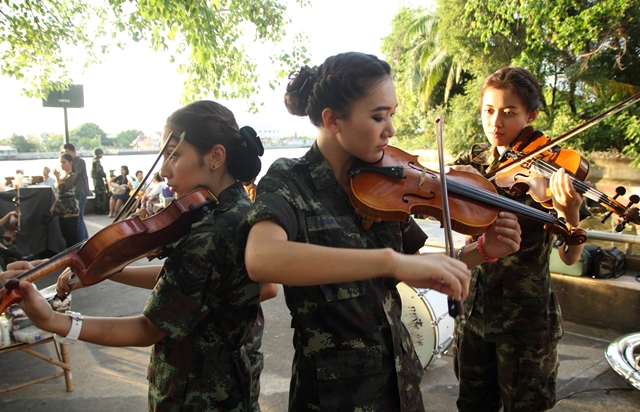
(203, 305)
(352, 351)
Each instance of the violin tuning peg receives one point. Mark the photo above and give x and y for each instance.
(606, 217)
(620, 191)
(620, 226)
(633, 199)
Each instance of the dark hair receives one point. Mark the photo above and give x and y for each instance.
(157, 177)
(69, 146)
(516, 80)
(68, 158)
(126, 169)
(97, 151)
(335, 84)
(139, 171)
(207, 123)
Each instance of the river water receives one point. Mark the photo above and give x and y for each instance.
(133, 162)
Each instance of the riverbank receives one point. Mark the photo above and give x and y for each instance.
(122, 152)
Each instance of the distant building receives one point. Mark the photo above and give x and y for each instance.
(8, 153)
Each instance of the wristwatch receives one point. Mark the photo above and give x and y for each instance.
(74, 332)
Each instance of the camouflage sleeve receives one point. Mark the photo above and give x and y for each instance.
(274, 201)
(413, 237)
(68, 182)
(176, 304)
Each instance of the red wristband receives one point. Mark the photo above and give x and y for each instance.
(483, 253)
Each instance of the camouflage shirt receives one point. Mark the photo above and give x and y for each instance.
(206, 304)
(98, 175)
(67, 203)
(352, 351)
(513, 301)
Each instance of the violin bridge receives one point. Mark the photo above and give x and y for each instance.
(423, 176)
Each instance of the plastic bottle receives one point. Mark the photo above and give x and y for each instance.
(5, 330)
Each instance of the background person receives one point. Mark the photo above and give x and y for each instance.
(121, 186)
(82, 187)
(48, 180)
(66, 204)
(506, 356)
(99, 182)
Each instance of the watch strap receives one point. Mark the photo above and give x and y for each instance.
(74, 332)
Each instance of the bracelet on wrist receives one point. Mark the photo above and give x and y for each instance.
(483, 253)
(459, 254)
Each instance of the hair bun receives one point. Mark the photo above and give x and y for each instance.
(251, 140)
(300, 85)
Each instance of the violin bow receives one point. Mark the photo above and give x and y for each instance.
(125, 210)
(584, 126)
(455, 306)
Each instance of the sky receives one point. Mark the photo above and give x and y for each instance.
(137, 88)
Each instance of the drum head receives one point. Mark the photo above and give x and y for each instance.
(425, 314)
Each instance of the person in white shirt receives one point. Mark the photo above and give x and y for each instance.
(48, 179)
(152, 195)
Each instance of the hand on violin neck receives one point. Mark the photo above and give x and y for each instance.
(566, 200)
(500, 240)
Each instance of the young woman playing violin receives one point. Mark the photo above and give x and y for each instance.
(352, 351)
(506, 354)
(203, 304)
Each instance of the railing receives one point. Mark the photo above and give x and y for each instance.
(628, 240)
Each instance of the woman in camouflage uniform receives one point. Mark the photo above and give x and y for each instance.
(506, 355)
(66, 205)
(352, 351)
(203, 304)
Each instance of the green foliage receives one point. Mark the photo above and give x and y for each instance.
(87, 136)
(52, 142)
(21, 144)
(585, 54)
(124, 139)
(44, 42)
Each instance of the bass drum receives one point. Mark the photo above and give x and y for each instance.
(425, 314)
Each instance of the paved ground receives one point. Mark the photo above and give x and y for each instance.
(114, 379)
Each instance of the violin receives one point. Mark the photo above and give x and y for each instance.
(532, 177)
(398, 185)
(115, 246)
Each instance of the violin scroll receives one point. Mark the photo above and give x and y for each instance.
(572, 236)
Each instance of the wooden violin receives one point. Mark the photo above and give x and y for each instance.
(542, 157)
(398, 186)
(532, 177)
(115, 246)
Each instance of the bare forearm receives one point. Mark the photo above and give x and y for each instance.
(130, 331)
(139, 276)
(301, 264)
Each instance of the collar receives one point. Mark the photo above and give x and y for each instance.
(321, 174)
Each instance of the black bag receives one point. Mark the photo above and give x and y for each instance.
(606, 263)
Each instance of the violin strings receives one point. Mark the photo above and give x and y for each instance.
(580, 186)
(493, 199)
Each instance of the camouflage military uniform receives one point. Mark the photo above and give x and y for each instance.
(352, 352)
(99, 187)
(507, 353)
(68, 209)
(256, 359)
(206, 304)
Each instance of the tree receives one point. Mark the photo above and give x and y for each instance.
(21, 144)
(585, 55)
(125, 138)
(52, 142)
(87, 136)
(44, 41)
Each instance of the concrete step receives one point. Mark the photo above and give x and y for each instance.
(602, 303)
